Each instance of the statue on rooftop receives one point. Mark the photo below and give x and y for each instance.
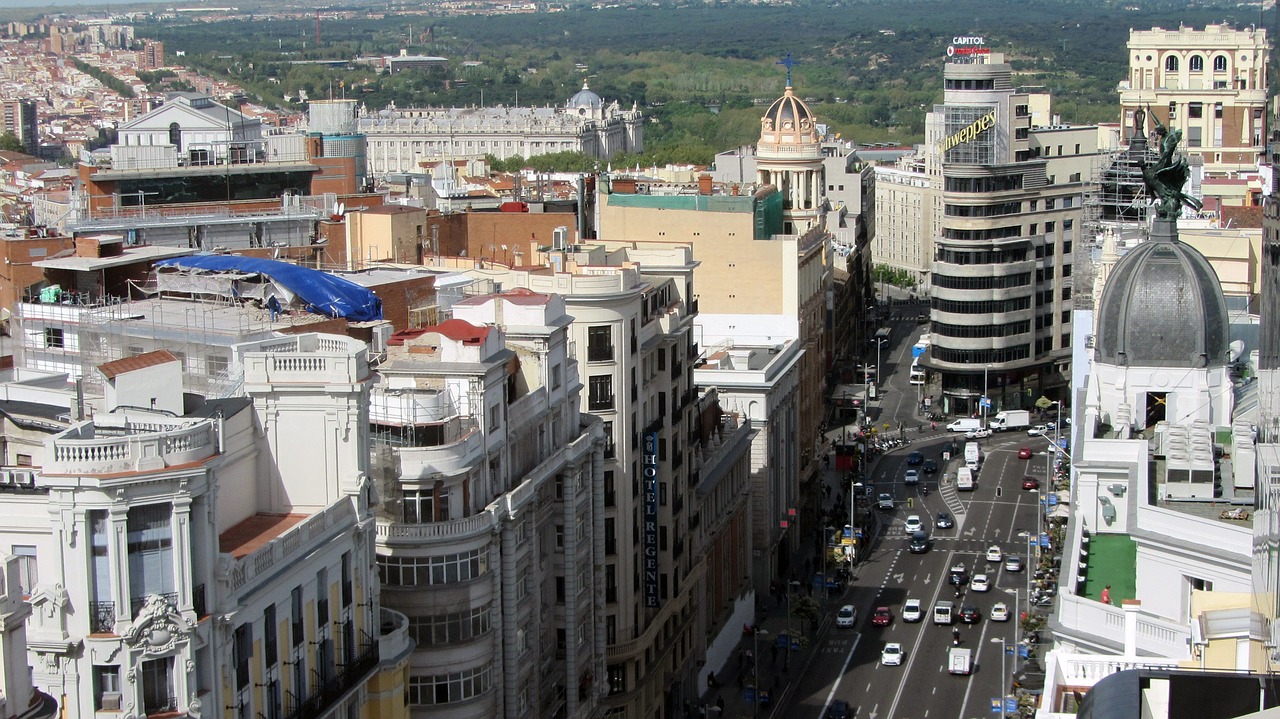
(1166, 177)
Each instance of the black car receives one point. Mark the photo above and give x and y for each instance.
(929, 466)
(839, 709)
(919, 543)
(915, 458)
(944, 521)
(958, 575)
(969, 614)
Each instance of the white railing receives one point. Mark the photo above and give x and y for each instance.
(293, 541)
(1104, 625)
(454, 529)
(393, 636)
(76, 454)
(416, 406)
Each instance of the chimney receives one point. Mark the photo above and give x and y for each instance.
(704, 184)
(1131, 609)
(624, 185)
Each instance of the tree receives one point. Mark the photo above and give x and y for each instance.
(9, 142)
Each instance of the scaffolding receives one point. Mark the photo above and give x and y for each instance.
(1117, 203)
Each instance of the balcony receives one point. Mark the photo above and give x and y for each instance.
(80, 450)
(410, 406)
(454, 456)
(393, 635)
(102, 617)
(327, 691)
(452, 530)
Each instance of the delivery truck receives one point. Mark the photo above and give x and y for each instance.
(964, 480)
(960, 660)
(1010, 419)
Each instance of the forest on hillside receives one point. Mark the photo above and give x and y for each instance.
(870, 69)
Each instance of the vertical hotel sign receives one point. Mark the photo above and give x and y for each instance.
(649, 536)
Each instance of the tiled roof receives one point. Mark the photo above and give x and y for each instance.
(115, 368)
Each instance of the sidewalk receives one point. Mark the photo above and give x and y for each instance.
(760, 660)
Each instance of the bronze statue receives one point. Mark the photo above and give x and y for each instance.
(1166, 177)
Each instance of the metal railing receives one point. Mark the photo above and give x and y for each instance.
(325, 693)
(102, 617)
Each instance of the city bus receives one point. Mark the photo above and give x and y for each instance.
(917, 372)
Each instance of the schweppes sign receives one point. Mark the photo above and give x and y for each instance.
(977, 127)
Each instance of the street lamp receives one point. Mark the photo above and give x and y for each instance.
(1003, 676)
(982, 401)
(755, 642)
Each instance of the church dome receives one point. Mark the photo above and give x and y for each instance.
(585, 98)
(788, 113)
(1162, 306)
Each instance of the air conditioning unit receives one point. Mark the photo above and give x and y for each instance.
(111, 701)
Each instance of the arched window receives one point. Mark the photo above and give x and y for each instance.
(175, 135)
(1171, 63)
(1220, 63)
(1197, 63)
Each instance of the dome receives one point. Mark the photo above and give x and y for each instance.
(787, 113)
(1162, 306)
(585, 98)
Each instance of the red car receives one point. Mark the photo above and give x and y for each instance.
(1024, 453)
(882, 617)
(1030, 483)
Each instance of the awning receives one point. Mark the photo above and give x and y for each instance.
(1059, 511)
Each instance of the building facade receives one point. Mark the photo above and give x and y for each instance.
(1002, 264)
(18, 118)
(1211, 84)
(491, 535)
(407, 139)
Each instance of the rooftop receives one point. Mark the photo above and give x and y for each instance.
(1113, 561)
(256, 532)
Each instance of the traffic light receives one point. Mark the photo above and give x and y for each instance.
(909, 503)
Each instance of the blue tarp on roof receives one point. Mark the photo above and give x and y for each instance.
(323, 293)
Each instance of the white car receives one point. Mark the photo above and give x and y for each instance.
(994, 554)
(914, 524)
(1000, 612)
(1037, 430)
(980, 583)
(911, 611)
(977, 433)
(846, 616)
(891, 656)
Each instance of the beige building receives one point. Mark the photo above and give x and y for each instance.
(392, 233)
(1211, 84)
(906, 218)
(763, 276)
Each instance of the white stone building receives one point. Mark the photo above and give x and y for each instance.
(407, 139)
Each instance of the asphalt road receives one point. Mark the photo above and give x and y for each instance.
(999, 512)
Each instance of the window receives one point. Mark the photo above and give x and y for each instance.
(322, 599)
(1220, 63)
(1171, 63)
(175, 136)
(106, 688)
(423, 506)
(1195, 110)
(600, 393)
(600, 344)
(1197, 63)
(610, 494)
(1067, 224)
(1217, 110)
(157, 686)
(1195, 136)
(610, 536)
(243, 652)
(1050, 204)
(53, 337)
(610, 447)
(617, 679)
(270, 650)
(100, 566)
(150, 547)
(1173, 111)
(495, 418)
(28, 576)
(439, 629)
(435, 570)
(449, 688)
(1049, 227)
(556, 379)
(295, 616)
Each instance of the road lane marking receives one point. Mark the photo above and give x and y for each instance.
(848, 658)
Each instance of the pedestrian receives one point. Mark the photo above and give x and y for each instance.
(1106, 594)
(720, 704)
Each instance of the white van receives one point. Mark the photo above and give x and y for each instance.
(942, 613)
(967, 424)
(964, 480)
(972, 455)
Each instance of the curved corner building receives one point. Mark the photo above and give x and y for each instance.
(1001, 280)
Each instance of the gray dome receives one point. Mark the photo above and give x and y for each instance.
(1162, 306)
(585, 98)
